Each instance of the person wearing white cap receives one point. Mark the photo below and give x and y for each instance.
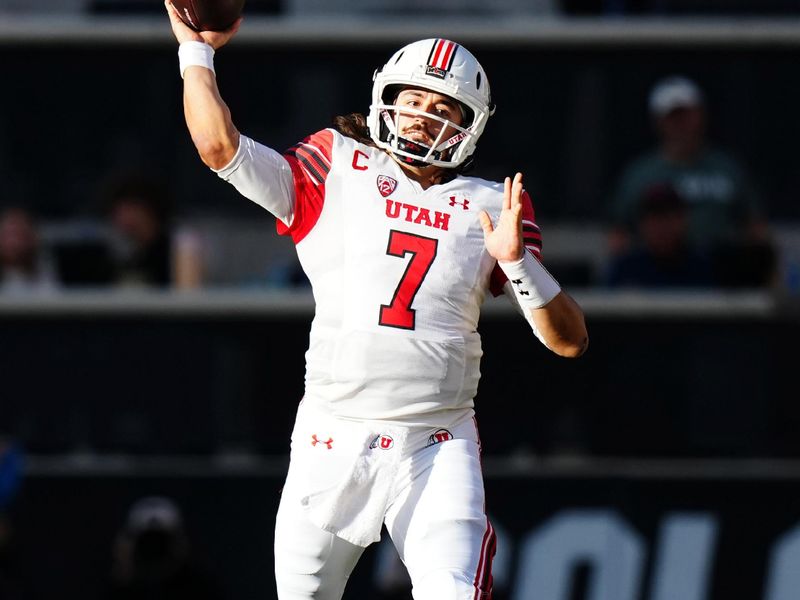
(724, 207)
(674, 93)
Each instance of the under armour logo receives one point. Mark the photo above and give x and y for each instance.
(315, 440)
(518, 283)
(464, 204)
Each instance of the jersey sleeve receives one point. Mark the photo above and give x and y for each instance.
(310, 161)
(531, 237)
(262, 175)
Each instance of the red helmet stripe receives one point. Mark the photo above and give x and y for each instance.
(437, 50)
(448, 56)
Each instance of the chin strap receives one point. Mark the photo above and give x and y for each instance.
(413, 148)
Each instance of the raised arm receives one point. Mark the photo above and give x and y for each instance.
(554, 316)
(207, 116)
(256, 171)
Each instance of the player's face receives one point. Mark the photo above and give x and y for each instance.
(419, 128)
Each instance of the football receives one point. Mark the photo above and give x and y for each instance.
(209, 15)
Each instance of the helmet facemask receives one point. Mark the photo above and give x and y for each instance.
(416, 153)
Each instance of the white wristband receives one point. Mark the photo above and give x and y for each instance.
(195, 54)
(533, 285)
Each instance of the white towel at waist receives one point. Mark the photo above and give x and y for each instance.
(342, 472)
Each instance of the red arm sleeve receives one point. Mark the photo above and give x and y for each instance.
(310, 161)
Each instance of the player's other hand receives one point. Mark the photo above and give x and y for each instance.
(184, 33)
(503, 239)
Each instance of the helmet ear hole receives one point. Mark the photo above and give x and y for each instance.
(478, 80)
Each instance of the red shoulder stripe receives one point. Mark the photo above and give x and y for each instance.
(310, 161)
(323, 140)
(314, 167)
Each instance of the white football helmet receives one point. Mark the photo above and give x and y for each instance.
(441, 66)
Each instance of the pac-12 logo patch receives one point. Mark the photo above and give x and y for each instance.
(386, 185)
(384, 442)
(437, 437)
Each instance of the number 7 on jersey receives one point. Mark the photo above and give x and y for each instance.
(398, 313)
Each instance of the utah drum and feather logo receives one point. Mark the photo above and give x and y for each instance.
(383, 441)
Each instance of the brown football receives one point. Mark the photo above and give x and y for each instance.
(209, 15)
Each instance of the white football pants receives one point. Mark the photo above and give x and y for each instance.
(435, 516)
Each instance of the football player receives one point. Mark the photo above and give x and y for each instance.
(401, 250)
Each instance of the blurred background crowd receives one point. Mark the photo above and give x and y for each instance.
(149, 314)
(654, 167)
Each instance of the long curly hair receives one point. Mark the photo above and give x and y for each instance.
(354, 126)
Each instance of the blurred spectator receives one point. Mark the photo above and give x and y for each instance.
(662, 255)
(189, 251)
(10, 477)
(24, 265)
(724, 212)
(139, 214)
(10, 471)
(153, 557)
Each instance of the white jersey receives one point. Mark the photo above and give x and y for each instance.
(398, 275)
